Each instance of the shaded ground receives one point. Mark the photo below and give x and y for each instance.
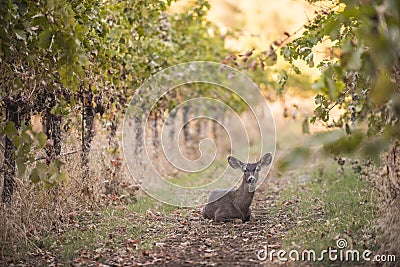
(308, 209)
(184, 238)
(299, 210)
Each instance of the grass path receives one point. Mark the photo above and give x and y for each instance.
(305, 209)
(183, 237)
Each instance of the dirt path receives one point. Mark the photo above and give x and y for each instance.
(184, 238)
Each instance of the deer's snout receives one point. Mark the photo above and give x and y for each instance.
(251, 179)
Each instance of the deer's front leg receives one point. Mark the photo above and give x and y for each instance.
(239, 213)
(249, 216)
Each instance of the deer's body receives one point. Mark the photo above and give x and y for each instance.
(225, 205)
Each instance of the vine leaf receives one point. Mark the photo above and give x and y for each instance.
(20, 34)
(44, 39)
(42, 138)
(10, 129)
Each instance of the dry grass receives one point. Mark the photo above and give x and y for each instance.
(388, 184)
(36, 215)
(385, 180)
(36, 212)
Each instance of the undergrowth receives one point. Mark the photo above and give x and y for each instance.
(329, 206)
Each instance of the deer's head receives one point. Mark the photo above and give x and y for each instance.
(250, 170)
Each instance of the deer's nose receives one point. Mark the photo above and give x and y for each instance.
(251, 179)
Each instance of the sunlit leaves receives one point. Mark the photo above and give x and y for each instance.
(322, 113)
(359, 77)
(320, 100)
(301, 47)
(322, 109)
(332, 27)
(283, 77)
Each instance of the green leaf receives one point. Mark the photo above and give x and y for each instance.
(63, 75)
(50, 4)
(25, 137)
(16, 140)
(20, 34)
(48, 184)
(44, 39)
(319, 99)
(34, 176)
(41, 169)
(42, 138)
(62, 177)
(10, 130)
(332, 28)
(21, 165)
(283, 78)
(58, 164)
(355, 62)
(83, 60)
(24, 149)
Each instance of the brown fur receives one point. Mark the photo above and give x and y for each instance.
(224, 205)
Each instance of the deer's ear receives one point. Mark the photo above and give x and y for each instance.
(235, 163)
(265, 160)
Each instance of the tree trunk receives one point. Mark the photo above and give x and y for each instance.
(115, 171)
(172, 116)
(156, 139)
(88, 114)
(53, 132)
(186, 133)
(9, 169)
(112, 141)
(198, 129)
(214, 130)
(138, 135)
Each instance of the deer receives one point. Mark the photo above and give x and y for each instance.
(226, 205)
